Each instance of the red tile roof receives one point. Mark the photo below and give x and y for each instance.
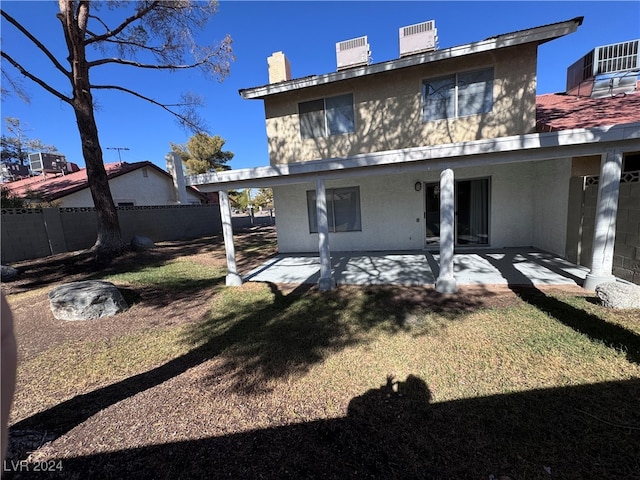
(559, 111)
(51, 188)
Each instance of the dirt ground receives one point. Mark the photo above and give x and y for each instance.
(68, 431)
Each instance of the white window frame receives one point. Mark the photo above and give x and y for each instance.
(353, 223)
(328, 118)
(453, 88)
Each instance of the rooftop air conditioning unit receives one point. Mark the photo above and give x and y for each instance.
(353, 53)
(48, 163)
(606, 70)
(418, 38)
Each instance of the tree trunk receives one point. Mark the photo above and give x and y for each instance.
(74, 17)
(109, 238)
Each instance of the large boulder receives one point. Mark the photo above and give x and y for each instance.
(619, 295)
(87, 300)
(139, 242)
(8, 273)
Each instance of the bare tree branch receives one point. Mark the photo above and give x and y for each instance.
(123, 61)
(128, 43)
(16, 87)
(37, 80)
(128, 21)
(187, 120)
(36, 42)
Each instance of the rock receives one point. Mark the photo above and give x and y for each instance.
(8, 273)
(619, 295)
(86, 300)
(138, 242)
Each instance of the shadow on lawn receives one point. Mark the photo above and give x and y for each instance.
(611, 335)
(264, 338)
(581, 432)
(253, 245)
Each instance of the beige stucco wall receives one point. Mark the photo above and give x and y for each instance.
(392, 211)
(133, 187)
(388, 109)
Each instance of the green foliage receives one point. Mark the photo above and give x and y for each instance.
(264, 198)
(203, 153)
(16, 147)
(9, 200)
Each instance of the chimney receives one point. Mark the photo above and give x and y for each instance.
(279, 68)
(174, 167)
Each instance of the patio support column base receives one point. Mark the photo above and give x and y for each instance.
(233, 280)
(446, 285)
(446, 282)
(592, 281)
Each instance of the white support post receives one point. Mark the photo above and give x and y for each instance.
(446, 282)
(326, 281)
(233, 279)
(604, 232)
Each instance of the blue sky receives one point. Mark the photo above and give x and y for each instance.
(307, 33)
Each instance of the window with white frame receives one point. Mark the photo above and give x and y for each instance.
(458, 95)
(343, 210)
(327, 116)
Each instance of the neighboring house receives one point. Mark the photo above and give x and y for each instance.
(131, 184)
(438, 149)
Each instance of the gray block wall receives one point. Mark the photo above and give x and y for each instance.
(38, 232)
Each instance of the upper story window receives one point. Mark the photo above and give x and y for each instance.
(327, 116)
(458, 95)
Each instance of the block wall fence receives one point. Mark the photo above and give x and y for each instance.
(38, 232)
(582, 207)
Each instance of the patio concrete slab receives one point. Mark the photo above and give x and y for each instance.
(479, 267)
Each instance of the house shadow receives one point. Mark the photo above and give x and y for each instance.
(397, 431)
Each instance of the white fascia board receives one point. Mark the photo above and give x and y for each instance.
(519, 148)
(537, 35)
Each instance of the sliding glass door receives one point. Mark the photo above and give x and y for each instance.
(471, 208)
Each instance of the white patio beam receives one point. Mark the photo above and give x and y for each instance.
(232, 279)
(604, 234)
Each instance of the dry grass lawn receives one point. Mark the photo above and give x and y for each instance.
(197, 380)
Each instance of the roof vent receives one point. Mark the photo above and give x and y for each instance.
(606, 70)
(418, 38)
(353, 53)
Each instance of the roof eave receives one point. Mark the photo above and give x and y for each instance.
(536, 35)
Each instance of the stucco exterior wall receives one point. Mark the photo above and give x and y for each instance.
(392, 211)
(133, 187)
(551, 204)
(388, 109)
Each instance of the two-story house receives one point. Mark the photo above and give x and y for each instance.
(437, 149)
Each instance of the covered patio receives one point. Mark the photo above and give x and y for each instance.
(450, 267)
(509, 266)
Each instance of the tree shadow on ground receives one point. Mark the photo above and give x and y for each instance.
(577, 432)
(596, 329)
(252, 245)
(263, 338)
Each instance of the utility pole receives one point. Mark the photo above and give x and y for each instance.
(118, 149)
